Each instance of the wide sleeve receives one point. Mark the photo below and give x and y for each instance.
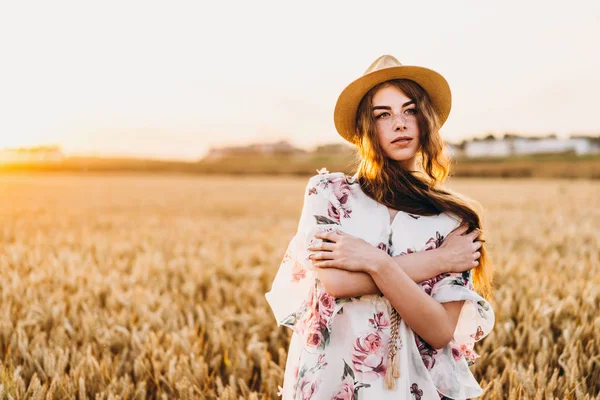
(297, 298)
(450, 371)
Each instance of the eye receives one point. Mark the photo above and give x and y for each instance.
(382, 115)
(411, 111)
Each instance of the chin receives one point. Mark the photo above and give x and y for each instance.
(402, 156)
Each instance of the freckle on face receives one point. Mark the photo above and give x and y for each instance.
(394, 98)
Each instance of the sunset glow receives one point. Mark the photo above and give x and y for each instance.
(173, 80)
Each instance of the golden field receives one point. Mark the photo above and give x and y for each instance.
(145, 286)
(565, 166)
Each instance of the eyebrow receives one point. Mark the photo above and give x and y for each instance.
(389, 108)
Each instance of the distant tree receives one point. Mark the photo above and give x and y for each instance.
(333, 148)
(511, 136)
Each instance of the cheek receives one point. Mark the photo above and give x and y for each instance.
(381, 136)
(417, 142)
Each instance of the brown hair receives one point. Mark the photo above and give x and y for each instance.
(416, 192)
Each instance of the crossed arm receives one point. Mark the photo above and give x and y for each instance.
(397, 278)
(423, 314)
(418, 266)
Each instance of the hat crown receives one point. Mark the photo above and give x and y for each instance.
(385, 61)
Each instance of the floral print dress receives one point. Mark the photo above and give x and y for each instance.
(339, 346)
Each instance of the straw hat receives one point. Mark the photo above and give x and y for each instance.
(383, 69)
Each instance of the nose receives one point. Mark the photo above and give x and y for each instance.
(399, 125)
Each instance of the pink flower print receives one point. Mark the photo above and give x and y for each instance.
(326, 304)
(298, 272)
(333, 212)
(408, 251)
(470, 355)
(314, 338)
(456, 353)
(346, 391)
(369, 344)
(430, 245)
(428, 284)
(312, 190)
(371, 366)
(308, 388)
(379, 321)
(427, 352)
(382, 246)
(368, 356)
(321, 361)
(342, 190)
(300, 326)
(434, 243)
(316, 330)
(414, 389)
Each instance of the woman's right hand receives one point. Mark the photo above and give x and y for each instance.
(459, 250)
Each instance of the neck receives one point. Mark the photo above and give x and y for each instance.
(408, 164)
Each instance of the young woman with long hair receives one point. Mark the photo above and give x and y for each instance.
(387, 280)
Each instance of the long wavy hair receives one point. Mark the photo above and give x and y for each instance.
(416, 191)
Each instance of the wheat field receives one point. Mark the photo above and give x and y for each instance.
(148, 286)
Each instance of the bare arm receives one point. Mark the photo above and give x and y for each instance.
(435, 322)
(456, 254)
(418, 266)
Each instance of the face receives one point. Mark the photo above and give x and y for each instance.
(395, 117)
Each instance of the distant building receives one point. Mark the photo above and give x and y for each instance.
(488, 148)
(512, 145)
(277, 148)
(26, 155)
(547, 145)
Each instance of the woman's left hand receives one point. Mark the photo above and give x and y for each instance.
(345, 252)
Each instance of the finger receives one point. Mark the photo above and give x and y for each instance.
(476, 255)
(325, 264)
(476, 245)
(320, 255)
(460, 230)
(331, 236)
(473, 235)
(323, 246)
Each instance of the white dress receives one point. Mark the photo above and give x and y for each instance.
(339, 346)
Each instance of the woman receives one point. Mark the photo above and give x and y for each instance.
(378, 284)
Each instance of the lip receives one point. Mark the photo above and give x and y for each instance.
(399, 139)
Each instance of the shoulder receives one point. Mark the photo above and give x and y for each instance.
(325, 178)
(333, 186)
(453, 219)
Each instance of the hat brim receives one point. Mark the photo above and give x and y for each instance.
(433, 83)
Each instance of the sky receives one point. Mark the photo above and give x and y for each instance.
(171, 79)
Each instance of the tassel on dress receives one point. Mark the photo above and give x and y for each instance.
(393, 369)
